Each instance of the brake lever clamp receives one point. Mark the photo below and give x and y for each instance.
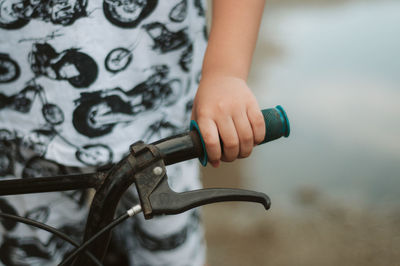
(157, 197)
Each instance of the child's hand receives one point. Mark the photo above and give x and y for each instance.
(228, 116)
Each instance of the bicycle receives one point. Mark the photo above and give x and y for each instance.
(144, 166)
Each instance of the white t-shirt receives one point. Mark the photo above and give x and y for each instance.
(84, 79)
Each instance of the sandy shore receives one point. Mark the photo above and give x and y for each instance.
(244, 234)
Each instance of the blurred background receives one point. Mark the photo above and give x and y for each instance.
(334, 65)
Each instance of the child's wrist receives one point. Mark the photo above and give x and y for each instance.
(222, 74)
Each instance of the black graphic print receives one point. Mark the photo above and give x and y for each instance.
(90, 154)
(179, 12)
(26, 150)
(161, 129)
(6, 164)
(9, 152)
(165, 40)
(6, 153)
(57, 245)
(39, 214)
(6, 207)
(200, 9)
(79, 197)
(32, 251)
(205, 32)
(118, 59)
(128, 13)
(9, 69)
(15, 14)
(37, 166)
(31, 148)
(23, 251)
(98, 112)
(22, 102)
(189, 106)
(78, 68)
(94, 154)
(156, 243)
(186, 58)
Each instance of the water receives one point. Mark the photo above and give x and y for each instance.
(336, 71)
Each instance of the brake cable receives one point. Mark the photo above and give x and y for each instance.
(49, 229)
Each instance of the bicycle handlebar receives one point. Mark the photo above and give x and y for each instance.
(191, 145)
(173, 149)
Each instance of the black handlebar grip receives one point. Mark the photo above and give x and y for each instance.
(276, 126)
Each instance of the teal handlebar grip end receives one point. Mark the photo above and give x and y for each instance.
(276, 124)
(285, 121)
(194, 126)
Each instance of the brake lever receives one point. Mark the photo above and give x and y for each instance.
(157, 197)
(166, 201)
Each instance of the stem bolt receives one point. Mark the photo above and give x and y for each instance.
(157, 170)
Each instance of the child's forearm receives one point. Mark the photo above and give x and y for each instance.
(224, 107)
(234, 30)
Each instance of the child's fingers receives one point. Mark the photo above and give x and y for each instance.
(229, 138)
(257, 123)
(245, 134)
(209, 131)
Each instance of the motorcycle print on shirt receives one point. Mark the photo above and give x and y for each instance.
(169, 242)
(22, 102)
(179, 12)
(128, 13)
(78, 68)
(17, 251)
(37, 166)
(39, 139)
(200, 8)
(6, 154)
(20, 251)
(15, 14)
(118, 59)
(6, 207)
(161, 129)
(98, 112)
(9, 69)
(39, 214)
(186, 59)
(164, 39)
(30, 149)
